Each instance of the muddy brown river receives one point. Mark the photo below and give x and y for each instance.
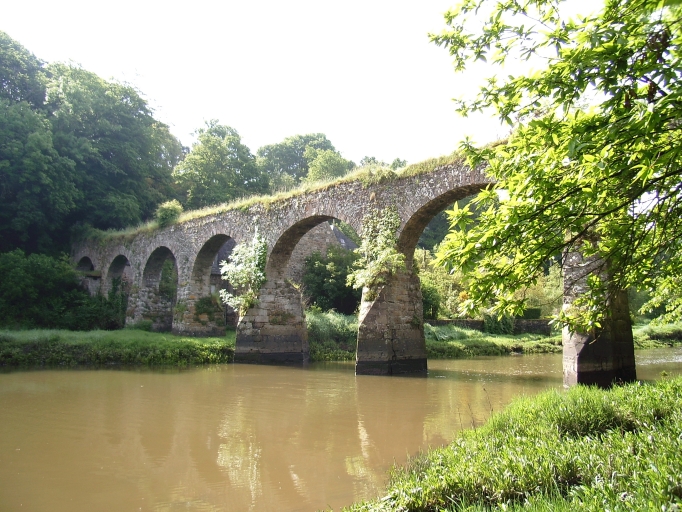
(243, 437)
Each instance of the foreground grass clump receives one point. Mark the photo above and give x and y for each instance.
(127, 347)
(452, 342)
(586, 449)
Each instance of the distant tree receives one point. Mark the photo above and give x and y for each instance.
(398, 164)
(22, 77)
(219, 168)
(325, 164)
(284, 162)
(372, 160)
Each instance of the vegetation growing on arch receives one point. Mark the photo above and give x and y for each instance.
(246, 273)
(379, 256)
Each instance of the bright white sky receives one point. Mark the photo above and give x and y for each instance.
(363, 72)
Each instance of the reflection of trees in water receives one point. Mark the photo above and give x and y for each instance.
(240, 455)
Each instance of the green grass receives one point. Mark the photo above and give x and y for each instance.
(99, 348)
(451, 342)
(332, 337)
(585, 449)
(365, 175)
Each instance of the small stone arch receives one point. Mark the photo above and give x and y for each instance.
(85, 265)
(286, 243)
(202, 312)
(216, 249)
(119, 269)
(156, 298)
(275, 330)
(90, 278)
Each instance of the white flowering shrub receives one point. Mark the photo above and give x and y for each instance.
(246, 273)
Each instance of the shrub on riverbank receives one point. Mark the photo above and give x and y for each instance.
(586, 449)
(100, 348)
(331, 336)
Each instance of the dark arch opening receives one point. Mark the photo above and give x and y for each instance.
(118, 284)
(85, 265)
(160, 286)
(206, 265)
(207, 280)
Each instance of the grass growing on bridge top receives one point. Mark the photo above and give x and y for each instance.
(366, 175)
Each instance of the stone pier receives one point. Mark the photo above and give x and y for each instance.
(275, 330)
(391, 329)
(604, 356)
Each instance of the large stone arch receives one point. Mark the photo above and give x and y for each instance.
(275, 330)
(417, 222)
(150, 302)
(391, 324)
(200, 312)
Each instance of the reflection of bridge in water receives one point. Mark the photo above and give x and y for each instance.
(391, 333)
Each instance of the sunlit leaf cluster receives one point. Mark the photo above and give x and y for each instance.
(593, 162)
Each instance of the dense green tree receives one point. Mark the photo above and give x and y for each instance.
(39, 291)
(219, 168)
(22, 77)
(325, 280)
(285, 163)
(123, 156)
(593, 164)
(37, 186)
(325, 164)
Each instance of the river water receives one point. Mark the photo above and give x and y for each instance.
(243, 437)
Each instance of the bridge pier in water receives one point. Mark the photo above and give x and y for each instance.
(391, 329)
(607, 355)
(274, 331)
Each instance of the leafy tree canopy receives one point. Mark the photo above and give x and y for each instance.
(219, 168)
(325, 164)
(593, 164)
(285, 162)
(22, 77)
(123, 156)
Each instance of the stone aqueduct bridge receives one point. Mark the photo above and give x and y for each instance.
(391, 333)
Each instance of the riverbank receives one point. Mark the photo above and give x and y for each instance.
(585, 449)
(331, 336)
(105, 348)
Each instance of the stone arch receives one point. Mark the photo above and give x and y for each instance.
(156, 299)
(202, 313)
(287, 241)
(119, 269)
(206, 260)
(89, 277)
(85, 265)
(415, 225)
(275, 330)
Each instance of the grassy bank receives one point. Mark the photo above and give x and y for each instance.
(332, 337)
(586, 449)
(100, 348)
